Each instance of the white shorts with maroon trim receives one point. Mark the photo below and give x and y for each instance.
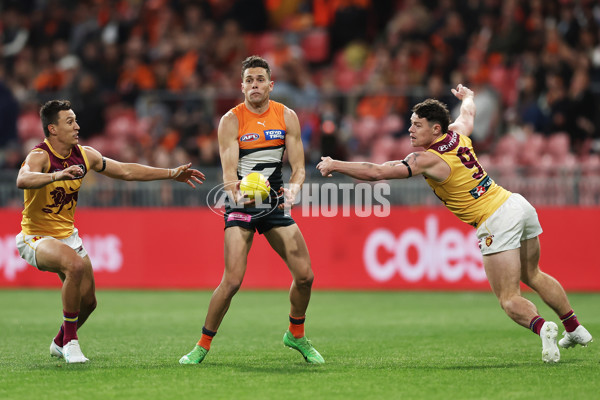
(27, 245)
(513, 222)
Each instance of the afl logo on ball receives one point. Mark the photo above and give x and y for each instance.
(249, 137)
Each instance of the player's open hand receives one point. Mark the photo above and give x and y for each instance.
(184, 173)
(461, 92)
(325, 166)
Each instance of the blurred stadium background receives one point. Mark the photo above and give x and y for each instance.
(149, 81)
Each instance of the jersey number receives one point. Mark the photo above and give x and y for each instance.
(469, 161)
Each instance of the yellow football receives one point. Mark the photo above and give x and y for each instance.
(255, 185)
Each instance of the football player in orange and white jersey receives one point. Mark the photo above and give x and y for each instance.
(507, 225)
(51, 177)
(253, 137)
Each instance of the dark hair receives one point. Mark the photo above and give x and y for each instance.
(256, 62)
(434, 111)
(49, 113)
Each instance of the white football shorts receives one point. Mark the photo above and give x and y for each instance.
(513, 222)
(27, 245)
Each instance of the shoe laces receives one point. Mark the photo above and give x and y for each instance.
(305, 344)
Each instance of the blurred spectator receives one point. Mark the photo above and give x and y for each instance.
(9, 111)
(13, 35)
(582, 113)
(528, 110)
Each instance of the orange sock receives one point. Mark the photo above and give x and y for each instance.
(206, 338)
(297, 326)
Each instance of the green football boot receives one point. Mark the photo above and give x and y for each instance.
(304, 346)
(195, 356)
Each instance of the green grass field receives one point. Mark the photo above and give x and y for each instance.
(377, 345)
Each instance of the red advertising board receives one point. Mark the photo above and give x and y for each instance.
(411, 249)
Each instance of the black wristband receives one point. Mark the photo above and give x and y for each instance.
(103, 164)
(407, 166)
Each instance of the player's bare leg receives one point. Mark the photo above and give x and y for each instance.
(237, 245)
(289, 243)
(503, 271)
(552, 293)
(55, 256)
(88, 293)
(238, 242)
(548, 288)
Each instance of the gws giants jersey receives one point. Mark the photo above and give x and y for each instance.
(50, 210)
(261, 138)
(468, 192)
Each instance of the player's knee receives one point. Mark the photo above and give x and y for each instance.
(508, 303)
(231, 286)
(529, 277)
(305, 281)
(74, 268)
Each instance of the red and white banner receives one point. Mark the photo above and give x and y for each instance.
(413, 248)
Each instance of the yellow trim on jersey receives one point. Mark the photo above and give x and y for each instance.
(85, 158)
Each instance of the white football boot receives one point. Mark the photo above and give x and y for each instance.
(550, 352)
(579, 336)
(72, 352)
(56, 350)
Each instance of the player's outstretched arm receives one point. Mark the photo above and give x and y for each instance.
(464, 122)
(417, 163)
(365, 171)
(139, 172)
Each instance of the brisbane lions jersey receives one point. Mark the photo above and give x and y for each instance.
(50, 210)
(468, 191)
(261, 138)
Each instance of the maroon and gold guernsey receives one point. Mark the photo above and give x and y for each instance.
(50, 210)
(468, 191)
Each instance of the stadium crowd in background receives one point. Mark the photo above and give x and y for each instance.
(149, 80)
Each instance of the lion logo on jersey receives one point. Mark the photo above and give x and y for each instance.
(61, 198)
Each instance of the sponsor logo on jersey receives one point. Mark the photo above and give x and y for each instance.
(273, 134)
(249, 137)
(480, 189)
(448, 143)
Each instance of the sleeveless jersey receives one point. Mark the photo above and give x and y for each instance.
(468, 192)
(261, 138)
(50, 210)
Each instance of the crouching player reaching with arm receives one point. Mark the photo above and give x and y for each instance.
(507, 225)
(51, 177)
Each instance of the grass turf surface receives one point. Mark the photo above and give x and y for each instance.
(377, 345)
